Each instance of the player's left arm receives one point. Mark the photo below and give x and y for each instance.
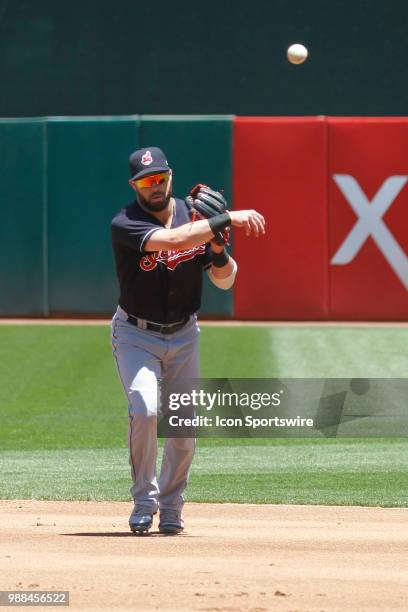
(223, 267)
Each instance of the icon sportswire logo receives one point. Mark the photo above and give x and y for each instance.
(370, 223)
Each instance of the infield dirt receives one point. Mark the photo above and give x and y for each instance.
(231, 557)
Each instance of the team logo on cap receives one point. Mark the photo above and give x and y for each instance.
(147, 158)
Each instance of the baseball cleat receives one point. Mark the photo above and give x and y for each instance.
(170, 522)
(140, 520)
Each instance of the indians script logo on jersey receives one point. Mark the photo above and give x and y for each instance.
(147, 158)
(170, 259)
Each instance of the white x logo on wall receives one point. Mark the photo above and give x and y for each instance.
(370, 223)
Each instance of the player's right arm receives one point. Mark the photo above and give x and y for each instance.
(195, 233)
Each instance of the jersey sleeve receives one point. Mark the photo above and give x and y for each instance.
(132, 234)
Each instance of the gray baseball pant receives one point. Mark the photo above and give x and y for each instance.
(142, 357)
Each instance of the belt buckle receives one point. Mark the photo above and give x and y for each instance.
(162, 328)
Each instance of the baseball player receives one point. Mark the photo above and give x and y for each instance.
(161, 246)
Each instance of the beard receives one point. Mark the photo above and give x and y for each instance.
(155, 205)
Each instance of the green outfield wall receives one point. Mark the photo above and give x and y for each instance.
(23, 210)
(86, 184)
(61, 182)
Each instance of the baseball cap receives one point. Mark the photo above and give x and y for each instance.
(147, 161)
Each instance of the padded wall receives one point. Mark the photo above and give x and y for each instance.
(280, 170)
(334, 192)
(368, 207)
(23, 250)
(63, 179)
(87, 184)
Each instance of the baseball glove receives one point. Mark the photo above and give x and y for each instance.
(206, 203)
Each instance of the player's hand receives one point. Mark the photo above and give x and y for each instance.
(251, 220)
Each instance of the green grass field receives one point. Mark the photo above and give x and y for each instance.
(64, 417)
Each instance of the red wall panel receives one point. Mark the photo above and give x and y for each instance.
(280, 169)
(368, 167)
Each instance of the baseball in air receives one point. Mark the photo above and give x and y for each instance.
(297, 53)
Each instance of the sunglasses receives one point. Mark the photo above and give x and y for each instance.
(153, 179)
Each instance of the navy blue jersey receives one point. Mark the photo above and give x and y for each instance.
(163, 287)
